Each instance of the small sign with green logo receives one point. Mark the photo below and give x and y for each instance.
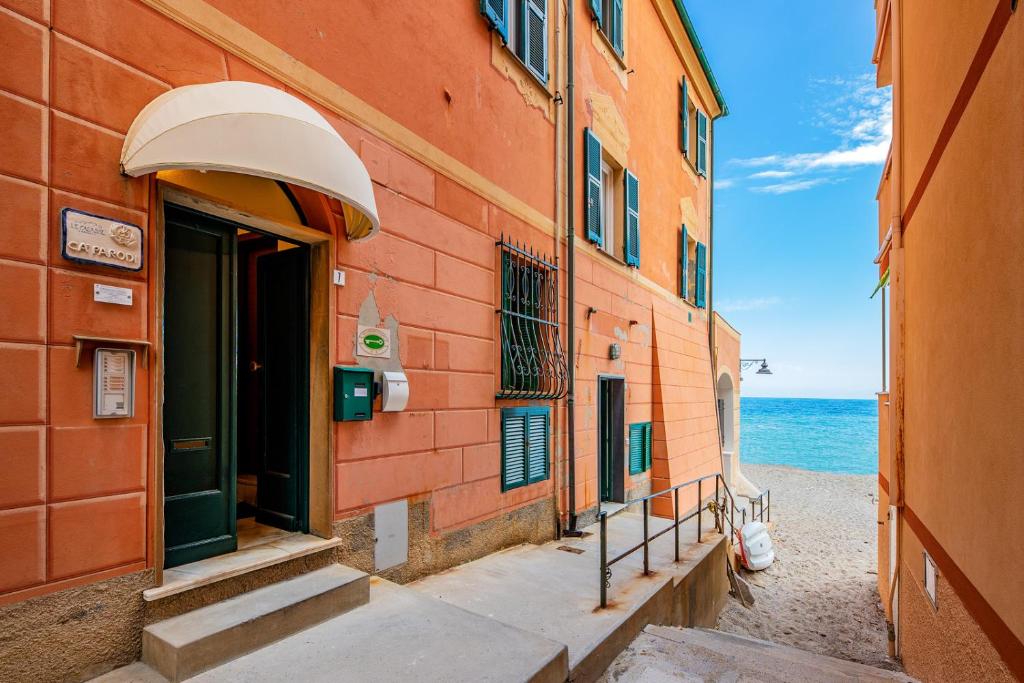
(374, 342)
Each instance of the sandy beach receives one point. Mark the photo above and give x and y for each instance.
(820, 593)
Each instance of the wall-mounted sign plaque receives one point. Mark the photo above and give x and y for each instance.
(374, 342)
(86, 238)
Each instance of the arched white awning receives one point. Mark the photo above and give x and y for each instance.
(253, 129)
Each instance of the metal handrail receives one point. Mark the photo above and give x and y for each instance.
(645, 544)
(724, 508)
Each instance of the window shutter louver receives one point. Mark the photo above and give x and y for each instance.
(496, 13)
(647, 446)
(684, 262)
(535, 39)
(684, 118)
(592, 191)
(524, 446)
(636, 448)
(595, 10)
(632, 245)
(537, 439)
(616, 36)
(513, 450)
(702, 142)
(702, 268)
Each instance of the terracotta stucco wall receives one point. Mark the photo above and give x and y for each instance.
(77, 503)
(964, 311)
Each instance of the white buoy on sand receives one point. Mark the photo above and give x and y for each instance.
(756, 546)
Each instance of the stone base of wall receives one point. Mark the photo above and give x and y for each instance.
(430, 553)
(74, 634)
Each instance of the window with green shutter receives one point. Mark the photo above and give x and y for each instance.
(592, 191)
(533, 41)
(523, 27)
(632, 220)
(702, 275)
(525, 454)
(702, 143)
(609, 17)
(497, 15)
(684, 118)
(639, 447)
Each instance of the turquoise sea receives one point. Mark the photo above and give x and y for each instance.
(827, 435)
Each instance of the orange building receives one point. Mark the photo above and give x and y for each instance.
(950, 248)
(288, 284)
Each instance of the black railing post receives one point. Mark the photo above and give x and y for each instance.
(604, 558)
(676, 503)
(718, 521)
(700, 508)
(762, 507)
(752, 504)
(769, 505)
(647, 561)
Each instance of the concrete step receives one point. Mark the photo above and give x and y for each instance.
(185, 645)
(401, 635)
(685, 654)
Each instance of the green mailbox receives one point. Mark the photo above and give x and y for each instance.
(353, 393)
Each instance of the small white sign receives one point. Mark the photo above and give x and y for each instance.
(96, 240)
(339, 278)
(374, 342)
(107, 294)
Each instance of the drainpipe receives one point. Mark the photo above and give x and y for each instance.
(570, 261)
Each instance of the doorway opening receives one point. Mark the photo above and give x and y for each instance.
(611, 439)
(236, 386)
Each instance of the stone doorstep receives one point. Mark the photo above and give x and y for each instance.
(211, 570)
(193, 642)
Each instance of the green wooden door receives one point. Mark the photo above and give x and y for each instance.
(198, 414)
(611, 423)
(283, 349)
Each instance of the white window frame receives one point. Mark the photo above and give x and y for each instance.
(608, 208)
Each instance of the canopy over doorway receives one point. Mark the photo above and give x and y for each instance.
(252, 129)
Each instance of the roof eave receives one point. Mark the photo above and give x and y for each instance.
(691, 33)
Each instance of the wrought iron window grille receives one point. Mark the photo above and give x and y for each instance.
(533, 365)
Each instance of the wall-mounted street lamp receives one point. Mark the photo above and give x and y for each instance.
(748, 362)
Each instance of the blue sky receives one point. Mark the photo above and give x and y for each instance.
(798, 163)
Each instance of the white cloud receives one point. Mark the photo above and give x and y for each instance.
(772, 174)
(794, 186)
(859, 117)
(724, 183)
(759, 304)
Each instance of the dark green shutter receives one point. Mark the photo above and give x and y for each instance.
(592, 190)
(684, 118)
(616, 36)
(632, 246)
(647, 446)
(636, 448)
(595, 10)
(537, 439)
(535, 37)
(684, 262)
(524, 446)
(639, 447)
(702, 276)
(702, 142)
(496, 13)
(513, 449)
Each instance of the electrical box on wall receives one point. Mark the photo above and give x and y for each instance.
(396, 392)
(353, 393)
